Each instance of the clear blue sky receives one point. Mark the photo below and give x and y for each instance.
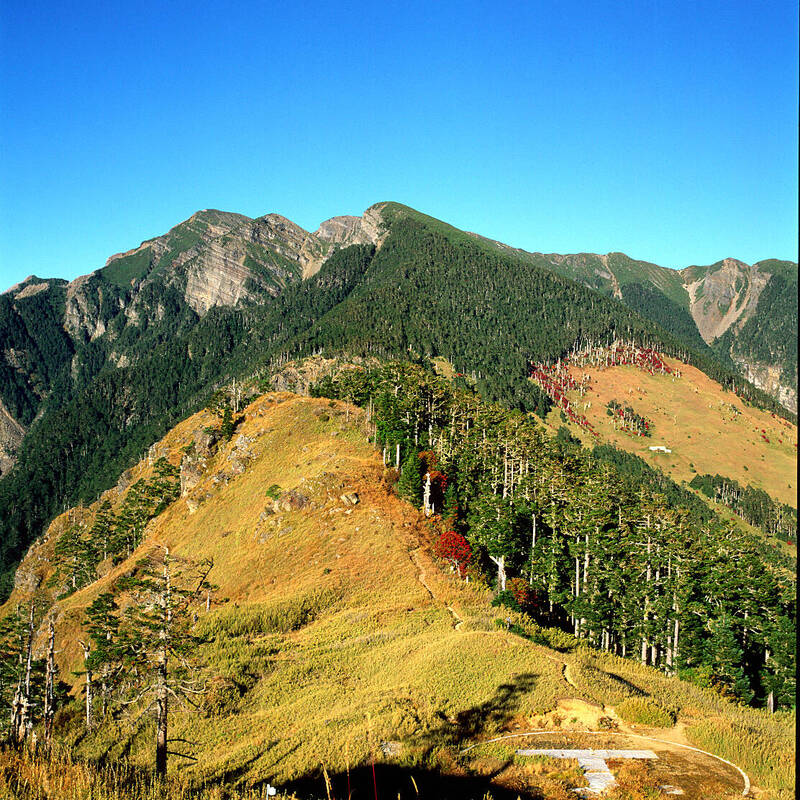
(667, 130)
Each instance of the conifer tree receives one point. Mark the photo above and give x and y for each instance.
(226, 429)
(102, 625)
(158, 643)
(727, 658)
(409, 487)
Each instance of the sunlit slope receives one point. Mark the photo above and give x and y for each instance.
(335, 638)
(708, 429)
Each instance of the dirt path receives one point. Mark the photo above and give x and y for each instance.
(412, 554)
(698, 772)
(568, 677)
(564, 667)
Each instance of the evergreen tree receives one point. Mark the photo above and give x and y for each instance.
(727, 659)
(409, 487)
(102, 624)
(226, 429)
(158, 645)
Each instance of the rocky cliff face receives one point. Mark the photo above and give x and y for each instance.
(219, 259)
(769, 378)
(749, 313)
(11, 433)
(722, 295)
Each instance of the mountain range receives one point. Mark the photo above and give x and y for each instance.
(368, 502)
(93, 370)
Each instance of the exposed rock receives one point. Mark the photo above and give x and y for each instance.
(349, 498)
(155, 452)
(195, 462)
(192, 469)
(124, 481)
(723, 296)
(85, 297)
(241, 454)
(345, 230)
(31, 289)
(768, 377)
(11, 435)
(292, 500)
(26, 580)
(205, 440)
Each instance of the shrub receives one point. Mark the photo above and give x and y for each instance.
(642, 711)
(455, 549)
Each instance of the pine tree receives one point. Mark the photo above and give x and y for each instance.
(226, 429)
(727, 658)
(106, 651)
(409, 487)
(157, 641)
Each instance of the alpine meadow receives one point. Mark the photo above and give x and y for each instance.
(390, 509)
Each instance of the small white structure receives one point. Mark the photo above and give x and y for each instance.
(659, 448)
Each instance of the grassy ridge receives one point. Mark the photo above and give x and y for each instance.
(331, 632)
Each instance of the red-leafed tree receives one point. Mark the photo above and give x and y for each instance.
(526, 596)
(453, 547)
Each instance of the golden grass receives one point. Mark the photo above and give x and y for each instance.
(695, 418)
(324, 642)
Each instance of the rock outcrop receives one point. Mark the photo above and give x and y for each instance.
(723, 295)
(769, 378)
(11, 434)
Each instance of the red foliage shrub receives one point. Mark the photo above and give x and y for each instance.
(453, 547)
(526, 597)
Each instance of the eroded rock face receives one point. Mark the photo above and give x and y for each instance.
(241, 454)
(345, 231)
(292, 500)
(721, 297)
(11, 435)
(768, 378)
(195, 462)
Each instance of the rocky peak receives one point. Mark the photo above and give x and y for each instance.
(343, 230)
(723, 294)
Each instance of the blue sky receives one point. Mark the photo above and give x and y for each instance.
(666, 130)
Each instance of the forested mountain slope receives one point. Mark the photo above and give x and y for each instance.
(748, 313)
(338, 630)
(150, 336)
(57, 336)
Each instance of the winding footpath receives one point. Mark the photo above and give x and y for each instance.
(421, 574)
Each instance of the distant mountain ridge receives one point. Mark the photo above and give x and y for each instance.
(93, 371)
(716, 305)
(213, 259)
(222, 259)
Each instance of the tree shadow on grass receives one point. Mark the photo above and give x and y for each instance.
(392, 780)
(487, 718)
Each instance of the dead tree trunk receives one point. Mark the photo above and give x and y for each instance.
(49, 689)
(533, 547)
(501, 571)
(88, 674)
(162, 700)
(25, 712)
